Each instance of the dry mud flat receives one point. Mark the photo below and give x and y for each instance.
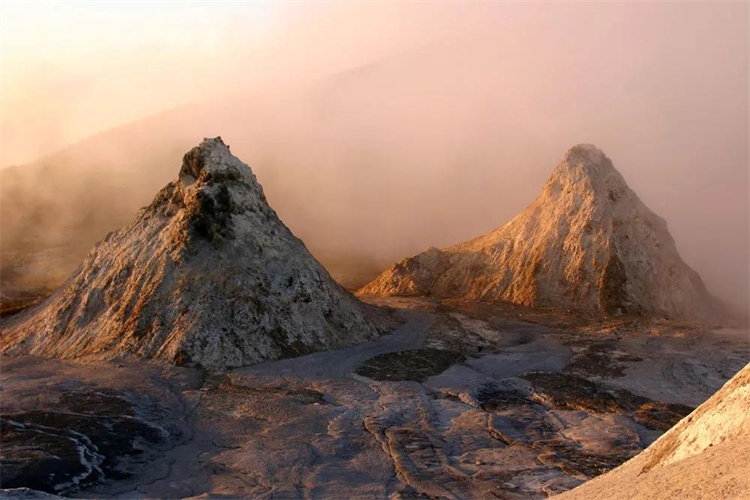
(463, 401)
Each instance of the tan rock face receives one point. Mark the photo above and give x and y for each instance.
(206, 274)
(587, 243)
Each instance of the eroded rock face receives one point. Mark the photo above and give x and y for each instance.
(587, 243)
(207, 275)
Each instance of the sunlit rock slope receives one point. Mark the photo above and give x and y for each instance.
(587, 243)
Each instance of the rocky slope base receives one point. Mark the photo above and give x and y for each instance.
(207, 274)
(587, 243)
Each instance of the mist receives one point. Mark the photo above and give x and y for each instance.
(378, 130)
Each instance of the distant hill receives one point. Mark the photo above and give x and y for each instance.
(587, 243)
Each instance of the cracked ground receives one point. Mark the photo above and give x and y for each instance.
(462, 401)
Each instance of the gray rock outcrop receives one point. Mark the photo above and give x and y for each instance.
(207, 275)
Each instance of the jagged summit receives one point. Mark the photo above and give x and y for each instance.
(198, 160)
(206, 274)
(585, 163)
(588, 167)
(587, 243)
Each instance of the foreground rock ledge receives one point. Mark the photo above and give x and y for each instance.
(706, 455)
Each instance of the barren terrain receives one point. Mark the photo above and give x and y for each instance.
(464, 400)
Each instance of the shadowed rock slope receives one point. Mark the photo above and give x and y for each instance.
(206, 274)
(587, 243)
(706, 455)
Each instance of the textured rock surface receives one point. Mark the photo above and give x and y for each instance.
(587, 243)
(67, 426)
(706, 455)
(206, 274)
(507, 419)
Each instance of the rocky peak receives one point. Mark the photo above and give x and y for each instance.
(207, 274)
(587, 243)
(213, 188)
(586, 160)
(212, 161)
(586, 154)
(586, 176)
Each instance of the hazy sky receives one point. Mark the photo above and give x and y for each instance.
(71, 69)
(389, 127)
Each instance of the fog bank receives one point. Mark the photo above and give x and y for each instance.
(379, 130)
